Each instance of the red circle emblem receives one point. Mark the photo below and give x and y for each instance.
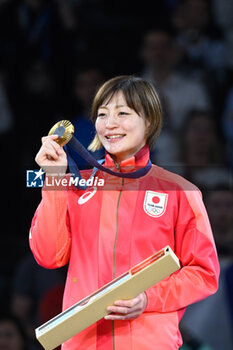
(155, 200)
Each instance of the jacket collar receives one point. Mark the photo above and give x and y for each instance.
(140, 159)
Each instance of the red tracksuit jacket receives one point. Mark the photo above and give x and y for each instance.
(103, 233)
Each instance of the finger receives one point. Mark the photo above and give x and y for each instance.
(49, 137)
(50, 151)
(124, 310)
(48, 142)
(128, 303)
(118, 310)
(130, 316)
(47, 152)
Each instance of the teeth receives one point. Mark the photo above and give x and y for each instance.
(114, 136)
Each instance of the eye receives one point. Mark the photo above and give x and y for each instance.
(101, 115)
(123, 113)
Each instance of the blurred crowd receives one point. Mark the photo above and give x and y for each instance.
(53, 56)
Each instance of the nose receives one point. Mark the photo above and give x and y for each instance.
(111, 121)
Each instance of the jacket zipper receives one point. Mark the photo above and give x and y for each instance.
(114, 256)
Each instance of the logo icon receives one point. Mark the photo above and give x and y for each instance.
(87, 195)
(155, 203)
(35, 178)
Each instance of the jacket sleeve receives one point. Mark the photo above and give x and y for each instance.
(50, 237)
(195, 247)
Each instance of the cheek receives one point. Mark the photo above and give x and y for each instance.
(100, 127)
(142, 131)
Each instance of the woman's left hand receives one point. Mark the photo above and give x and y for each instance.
(127, 309)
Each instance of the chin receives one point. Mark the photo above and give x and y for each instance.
(114, 151)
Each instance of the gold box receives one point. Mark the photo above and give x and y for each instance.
(92, 308)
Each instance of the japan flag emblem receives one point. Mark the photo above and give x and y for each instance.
(155, 203)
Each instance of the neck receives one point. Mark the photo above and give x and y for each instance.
(138, 154)
(140, 159)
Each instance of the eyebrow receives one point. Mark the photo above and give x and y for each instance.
(117, 106)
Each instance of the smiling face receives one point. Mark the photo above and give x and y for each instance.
(120, 129)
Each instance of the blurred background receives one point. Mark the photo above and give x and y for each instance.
(53, 56)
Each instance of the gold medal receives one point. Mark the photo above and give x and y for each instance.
(64, 129)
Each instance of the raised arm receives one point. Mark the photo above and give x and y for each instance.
(50, 235)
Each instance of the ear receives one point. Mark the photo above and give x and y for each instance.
(147, 130)
(147, 123)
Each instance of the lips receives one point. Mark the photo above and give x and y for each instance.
(115, 136)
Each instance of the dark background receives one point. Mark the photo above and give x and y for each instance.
(42, 46)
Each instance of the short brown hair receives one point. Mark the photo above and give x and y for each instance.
(140, 95)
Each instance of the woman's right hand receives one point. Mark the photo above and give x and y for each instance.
(51, 156)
